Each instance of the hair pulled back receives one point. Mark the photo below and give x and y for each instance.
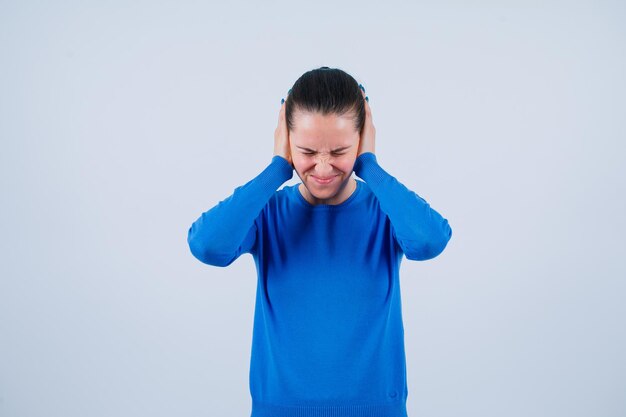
(327, 91)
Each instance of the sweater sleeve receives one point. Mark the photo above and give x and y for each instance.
(421, 232)
(221, 234)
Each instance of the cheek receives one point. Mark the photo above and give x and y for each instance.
(302, 163)
(346, 164)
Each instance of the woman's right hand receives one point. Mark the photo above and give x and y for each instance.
(281, 136)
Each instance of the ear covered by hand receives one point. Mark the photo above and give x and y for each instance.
(281, 135)
(368, 133)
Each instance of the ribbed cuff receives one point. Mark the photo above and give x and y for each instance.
(286, 166)
(279, 171)
(366, 167)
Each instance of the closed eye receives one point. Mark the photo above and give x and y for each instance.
(313, 153)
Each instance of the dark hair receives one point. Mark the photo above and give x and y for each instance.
(327, 91)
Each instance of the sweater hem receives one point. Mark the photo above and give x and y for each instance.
(272, 410)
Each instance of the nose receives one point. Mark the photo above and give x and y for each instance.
(323, 166)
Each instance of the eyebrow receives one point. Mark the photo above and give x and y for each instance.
(334, 150)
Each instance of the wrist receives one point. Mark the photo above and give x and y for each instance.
(282, 158)
(364, 158)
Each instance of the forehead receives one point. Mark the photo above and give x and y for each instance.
(315, 129)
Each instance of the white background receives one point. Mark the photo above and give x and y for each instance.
(120, 123)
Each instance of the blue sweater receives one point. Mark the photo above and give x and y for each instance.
(328, 336)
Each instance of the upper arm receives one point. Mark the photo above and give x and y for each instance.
(249, 242)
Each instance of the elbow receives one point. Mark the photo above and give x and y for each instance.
(430, 248)
(206, 251)
(424, 253)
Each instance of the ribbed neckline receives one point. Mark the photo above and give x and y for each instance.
(300, 198)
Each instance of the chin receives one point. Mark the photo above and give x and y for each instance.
(321, 191)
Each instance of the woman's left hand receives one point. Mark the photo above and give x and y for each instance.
(368, 134)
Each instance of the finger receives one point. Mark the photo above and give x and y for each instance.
(284, 100)
(364, 95)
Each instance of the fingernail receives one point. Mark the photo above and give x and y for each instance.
(362, 88)
(282, 100)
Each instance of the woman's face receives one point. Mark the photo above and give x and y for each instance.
(323, 151)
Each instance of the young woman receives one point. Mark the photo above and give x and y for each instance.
(328, 336)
